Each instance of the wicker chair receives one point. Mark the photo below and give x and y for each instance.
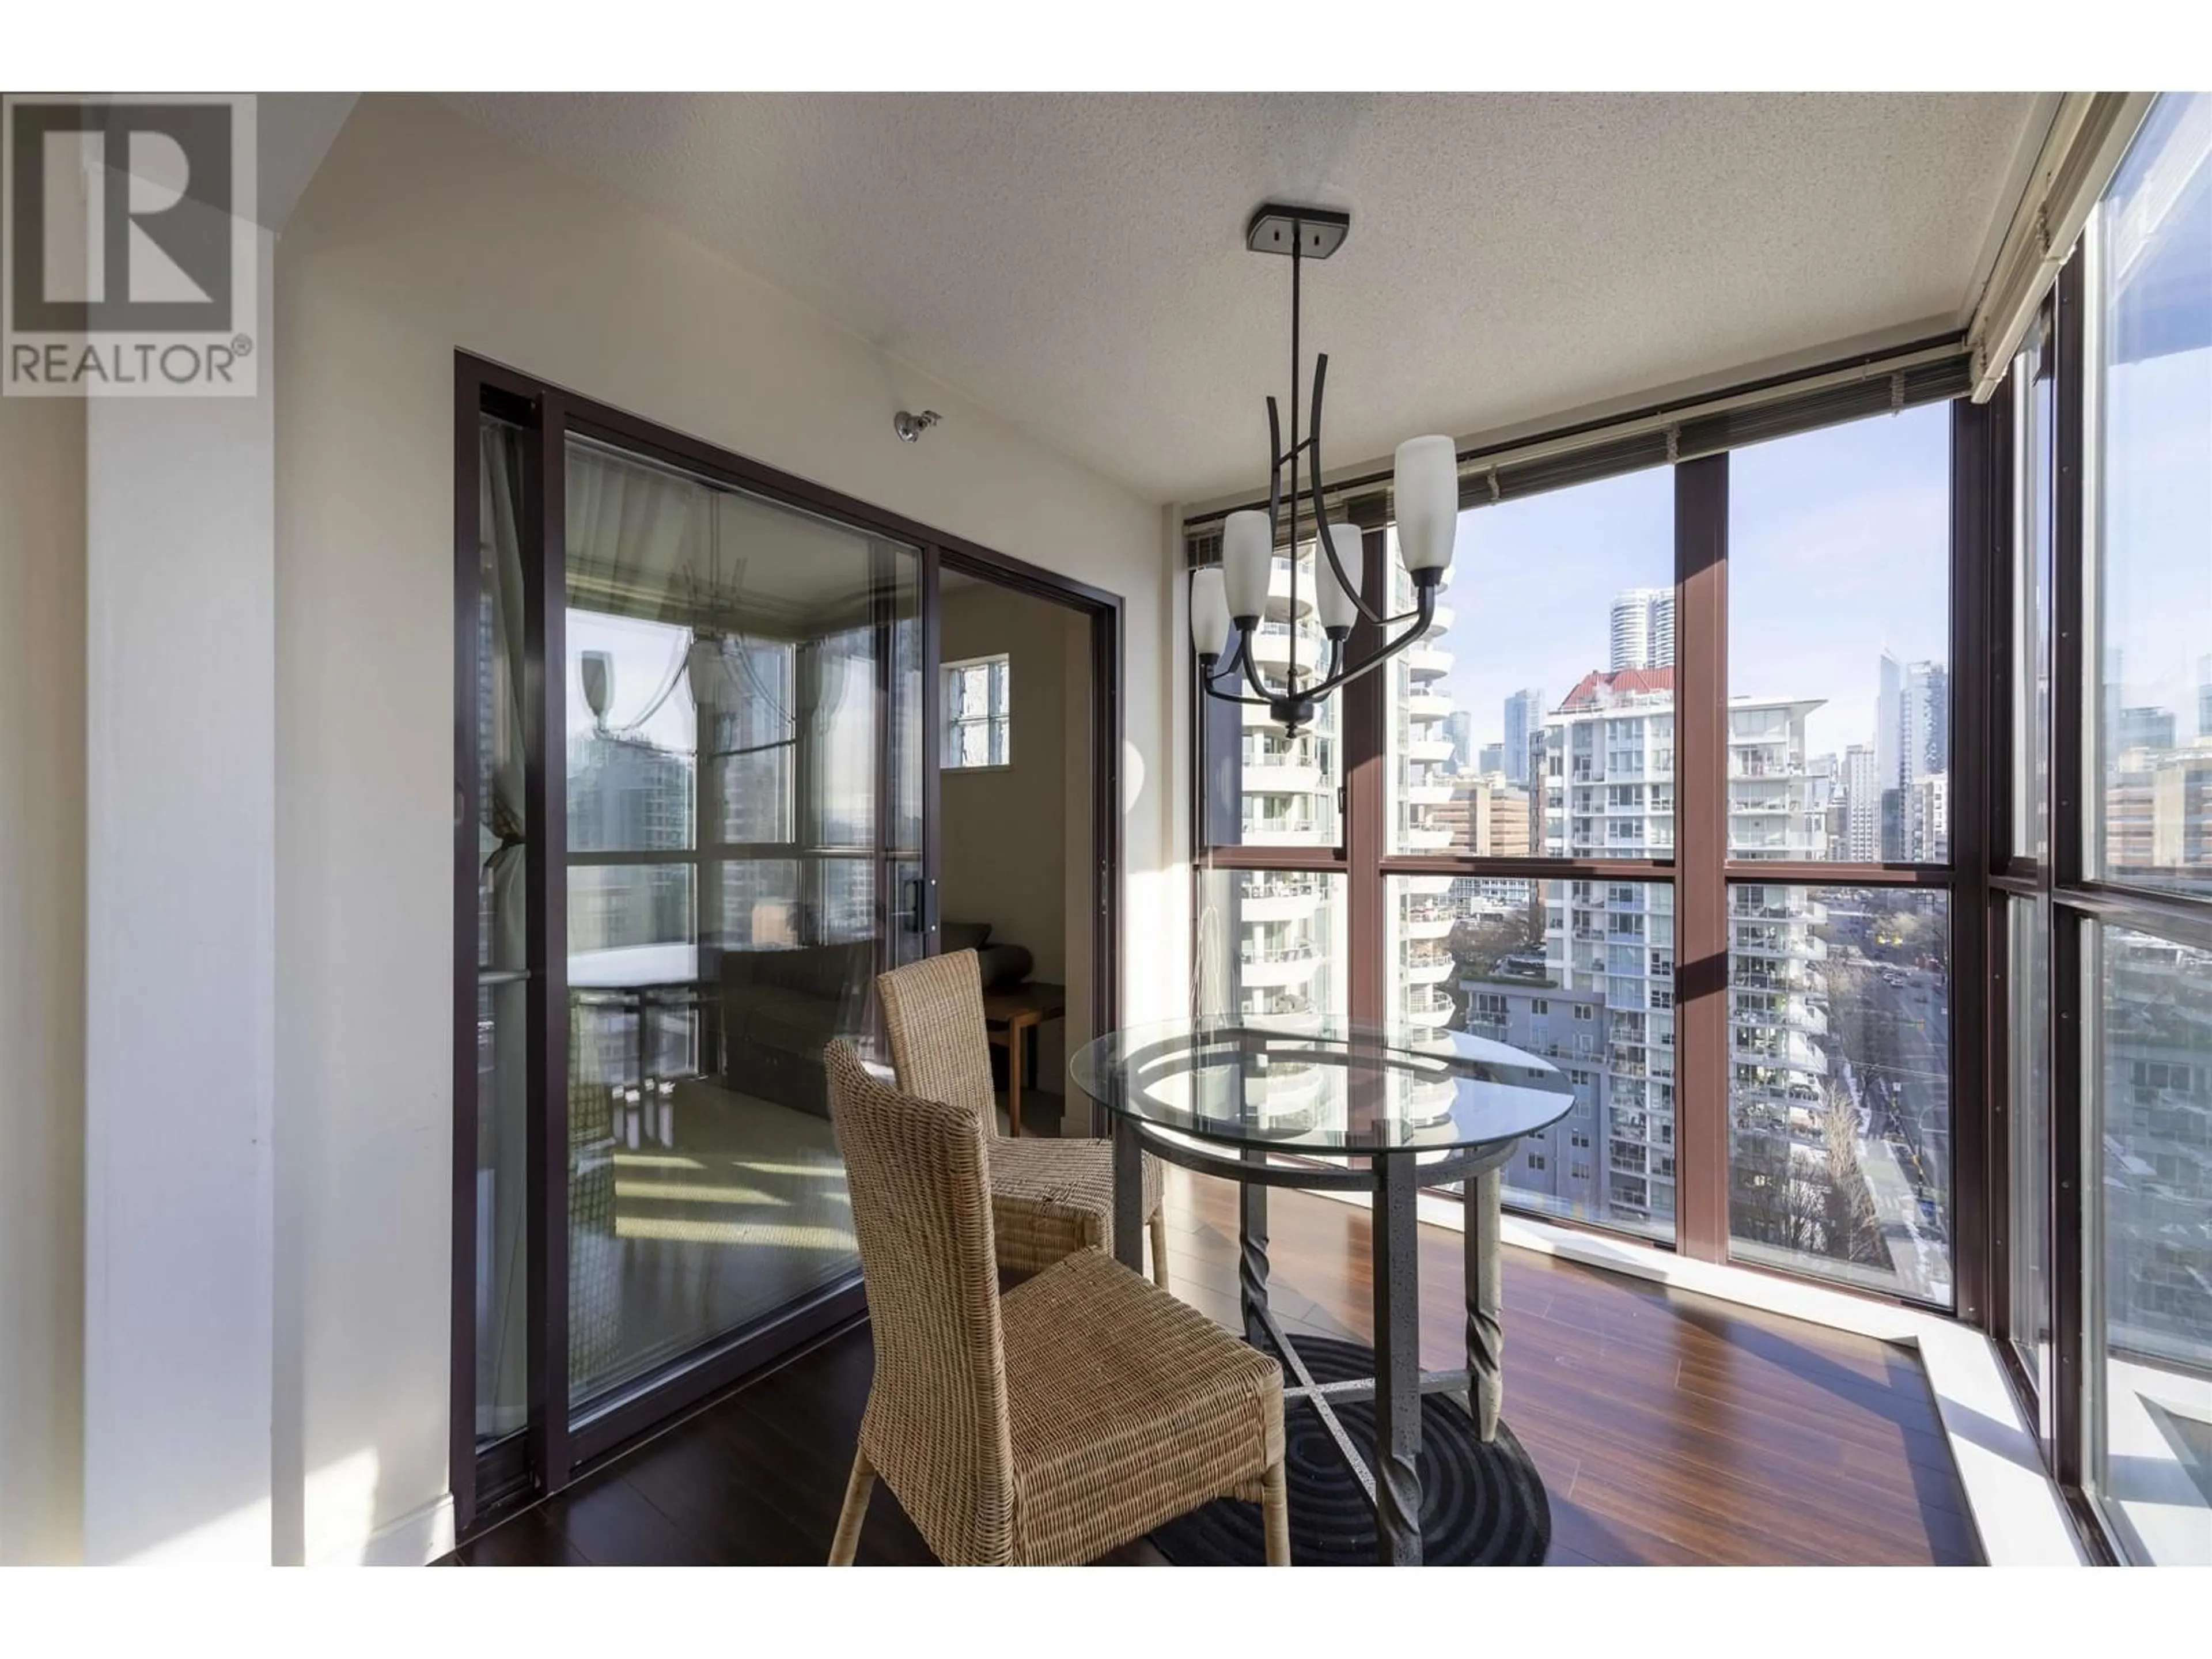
(1046, 1426)
(1049, 1198)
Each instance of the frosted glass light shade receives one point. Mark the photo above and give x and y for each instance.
(599, 672)
(1209, 611)
(1425, 496)
(1331, 598)
(709, 680)
(1248, 548)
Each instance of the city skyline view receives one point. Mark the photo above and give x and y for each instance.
(1837, 542)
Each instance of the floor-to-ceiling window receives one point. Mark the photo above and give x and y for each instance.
(2147, 986)
(1839, 739)
(2106, 878)
(1663, 797)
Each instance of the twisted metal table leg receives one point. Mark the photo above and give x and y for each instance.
(1397, 1364)
(1486, 1334)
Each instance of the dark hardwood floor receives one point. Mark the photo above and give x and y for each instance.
(1669, 1428)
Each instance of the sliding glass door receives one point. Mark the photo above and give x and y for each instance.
(697, 736)
(693, 824)
(742, 751)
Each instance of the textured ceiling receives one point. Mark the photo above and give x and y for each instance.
(1075, 262)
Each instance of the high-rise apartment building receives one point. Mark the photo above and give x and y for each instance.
(1509, 821)
(1924, 720)
(1559, 1166)
(1913, 742)
(2157, 1001)
(1424, 909)
(1888, 749)
(1642, 629)
(1928, 816)
(2158, 812)
(1525, 713)
(1459, 726)
(1609, 756)
(1862, 791)
(2146, 728)
(1491, 757)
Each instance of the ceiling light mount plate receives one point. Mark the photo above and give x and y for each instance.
(1280, 227)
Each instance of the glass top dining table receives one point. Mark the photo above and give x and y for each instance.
(1321, 1086)
(1383, 1110)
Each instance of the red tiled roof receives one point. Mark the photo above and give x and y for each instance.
(1625, 682)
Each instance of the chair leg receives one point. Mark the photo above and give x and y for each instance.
(1160, 1249)
(847, 1544)
(1275, 1511)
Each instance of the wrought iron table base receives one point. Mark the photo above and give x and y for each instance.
(1393, 1483)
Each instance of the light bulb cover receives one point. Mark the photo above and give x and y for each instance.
(1424, 496)
(709, 681)
(599, 676)
(1209, 611)
(1332, 598)
(1247, 548)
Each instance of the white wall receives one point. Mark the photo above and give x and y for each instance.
(418, 236)
(42, 644)
(180, 958)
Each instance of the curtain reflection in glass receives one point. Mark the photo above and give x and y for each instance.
(502, 1071)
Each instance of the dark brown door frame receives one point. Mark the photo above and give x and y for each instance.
(552, 1451)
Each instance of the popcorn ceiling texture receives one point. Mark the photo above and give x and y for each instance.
(1075, 262)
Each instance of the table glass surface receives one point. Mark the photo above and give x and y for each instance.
(1321, 1085)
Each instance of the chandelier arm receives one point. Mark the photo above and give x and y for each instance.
(1426, 613)
(1252, 669)
(1320, 534)
(1212, 688)
(1227, 670)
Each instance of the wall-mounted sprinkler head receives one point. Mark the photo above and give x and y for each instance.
(911, 427)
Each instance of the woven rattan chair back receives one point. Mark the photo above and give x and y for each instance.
(937, 1425)
(933, 1015)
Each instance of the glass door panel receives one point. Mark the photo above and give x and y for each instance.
(742, 752)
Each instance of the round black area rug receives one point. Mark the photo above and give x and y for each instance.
(1481, 1506)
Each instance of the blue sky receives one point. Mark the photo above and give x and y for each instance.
(2157, 530)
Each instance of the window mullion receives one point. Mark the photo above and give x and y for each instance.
(1372, 985)
(1701, 1096)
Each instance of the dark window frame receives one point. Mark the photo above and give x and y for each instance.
(2074, 897)
(2076, 902)
(1698, 869)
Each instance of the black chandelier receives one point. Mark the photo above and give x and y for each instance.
(1233, 595)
